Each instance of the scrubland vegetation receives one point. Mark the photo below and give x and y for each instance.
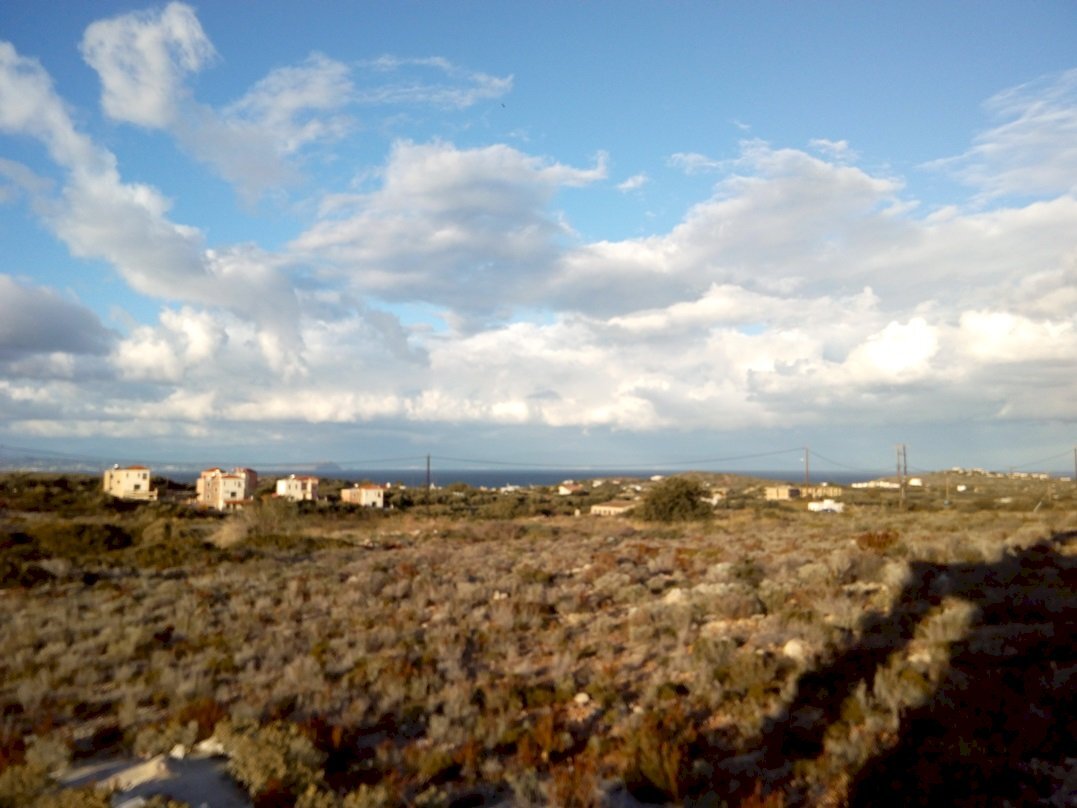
(478, 650)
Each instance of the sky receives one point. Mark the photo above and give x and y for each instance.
(605, 233)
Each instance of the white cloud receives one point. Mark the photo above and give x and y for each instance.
(901, 352)
(804, 289)
(996, 337)
(143, 58)
(97, 215)
(834, 149)
(283, 101)
(633, 183)
(452, 87)
(695, 163)
(1033, 148)
(467, 228)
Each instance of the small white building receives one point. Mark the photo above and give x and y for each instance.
(132, 482)
(367, 496)
(298, 489)
(826, 506)
(569, 488)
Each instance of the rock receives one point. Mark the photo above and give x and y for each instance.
(581, 698)
(674, 596)
(795, 650)
(210, 747)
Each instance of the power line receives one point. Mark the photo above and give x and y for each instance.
(833, 462)
(1043, 460)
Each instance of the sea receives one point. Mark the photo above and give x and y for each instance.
(527, 477)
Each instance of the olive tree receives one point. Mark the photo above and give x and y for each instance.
(676, 499)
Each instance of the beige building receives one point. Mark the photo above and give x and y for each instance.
(369, 496)
(615, 507)
(226, 490)
(298, 489)
(132, 482)
(781, 492)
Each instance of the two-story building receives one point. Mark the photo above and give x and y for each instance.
(226, 490)
(132, 482)
(369, 495)
(298, 489)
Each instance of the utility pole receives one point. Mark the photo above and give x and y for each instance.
(1075, 465)
(902, 470)
(807, 466)
(428, 485)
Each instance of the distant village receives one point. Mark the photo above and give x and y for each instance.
(231, 490)
(227, 490)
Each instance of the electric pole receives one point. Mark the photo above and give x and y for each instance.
(807, 466)
(902, 470)
(428, 485)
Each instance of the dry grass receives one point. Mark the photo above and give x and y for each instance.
(762, 658)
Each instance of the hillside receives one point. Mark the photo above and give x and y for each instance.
(763, 656)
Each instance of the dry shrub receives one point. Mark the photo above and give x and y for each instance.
(275, 762)
(574, 783)
(205, 712)
(878, 541)
(658, 752)
(757, 799)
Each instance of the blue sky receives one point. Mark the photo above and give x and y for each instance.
(608, 233)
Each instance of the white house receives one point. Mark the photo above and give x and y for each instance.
(615, 507)
(826, 506)
(132, 482)
(368, 496)
(298, 489)
(226, 490)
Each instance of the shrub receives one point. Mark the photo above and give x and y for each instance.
(67, 539)
(677, 499)
(276, 757)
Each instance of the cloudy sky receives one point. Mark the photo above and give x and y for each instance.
(554, 233)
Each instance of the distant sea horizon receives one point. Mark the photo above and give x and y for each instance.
(525, 477)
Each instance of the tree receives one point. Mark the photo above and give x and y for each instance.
(676, 499)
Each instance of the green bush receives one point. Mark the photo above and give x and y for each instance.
(676, 499)
(69, 539)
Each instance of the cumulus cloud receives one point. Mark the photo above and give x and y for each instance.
(466, 228)
(785, 220)
(802, 289)
(143, 58)
(898, 353)
(98, 215)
